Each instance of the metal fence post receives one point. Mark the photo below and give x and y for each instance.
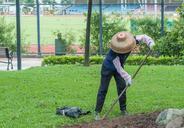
(87, 44)
(162, 17)
(38, 25)
(101, 29)
(18, 35)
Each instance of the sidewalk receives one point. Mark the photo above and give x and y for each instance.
(26, 63)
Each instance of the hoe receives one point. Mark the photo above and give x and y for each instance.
(116, 100)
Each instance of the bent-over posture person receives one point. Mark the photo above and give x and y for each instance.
(121, 45)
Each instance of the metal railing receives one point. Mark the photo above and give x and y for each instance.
(41, 17)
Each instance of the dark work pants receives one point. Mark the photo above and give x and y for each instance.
(106, 76)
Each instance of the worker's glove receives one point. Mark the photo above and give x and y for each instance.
(128, 80)
(151, 45)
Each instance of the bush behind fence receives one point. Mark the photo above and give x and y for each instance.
(132, 60)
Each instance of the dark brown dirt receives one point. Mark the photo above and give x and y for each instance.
(132, 121)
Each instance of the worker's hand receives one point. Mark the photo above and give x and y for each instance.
(128, 80)
(151, 45)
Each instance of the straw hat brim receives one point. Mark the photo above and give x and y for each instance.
(125, 46)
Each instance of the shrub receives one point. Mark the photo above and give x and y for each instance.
(147, 25)
(172, 44)
(7, 37)
(96, 60)
(132, 60)
(180, 10)
(66, 39)
(53, 60)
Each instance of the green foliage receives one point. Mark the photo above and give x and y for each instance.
(132, 60)
(7, 37)
(96, 60)
(162, 60)
(66, 39)
(172, 44)
(111, 25)
(29, 98)
(51, 24)
(148, 26)
(180, 10)
(53, 60)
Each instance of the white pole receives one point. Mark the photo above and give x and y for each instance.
(125, 6)
(122, 8)
(155, 8)
(145, 6)
(140, 2)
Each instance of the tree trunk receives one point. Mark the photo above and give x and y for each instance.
(87, 45)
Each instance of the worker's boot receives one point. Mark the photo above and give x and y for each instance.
(97, 116)
(124, 113)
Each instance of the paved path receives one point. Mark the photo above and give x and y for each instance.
(26, 63)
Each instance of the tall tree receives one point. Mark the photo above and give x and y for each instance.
(87, 44)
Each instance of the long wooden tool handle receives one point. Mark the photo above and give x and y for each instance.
(115, 101)
(134, 75)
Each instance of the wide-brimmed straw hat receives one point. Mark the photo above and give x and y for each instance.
(122, 42)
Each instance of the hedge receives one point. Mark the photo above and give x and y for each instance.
(132, 60)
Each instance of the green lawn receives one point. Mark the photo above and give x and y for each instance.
(49, 24)
(29, 98)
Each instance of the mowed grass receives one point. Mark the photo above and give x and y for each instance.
(48, 25)
(29, 98)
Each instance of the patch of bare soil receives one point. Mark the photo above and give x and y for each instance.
(132, 121)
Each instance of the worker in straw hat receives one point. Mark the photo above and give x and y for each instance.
(121, 45)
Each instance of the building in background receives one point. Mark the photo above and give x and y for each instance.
(75, 7)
